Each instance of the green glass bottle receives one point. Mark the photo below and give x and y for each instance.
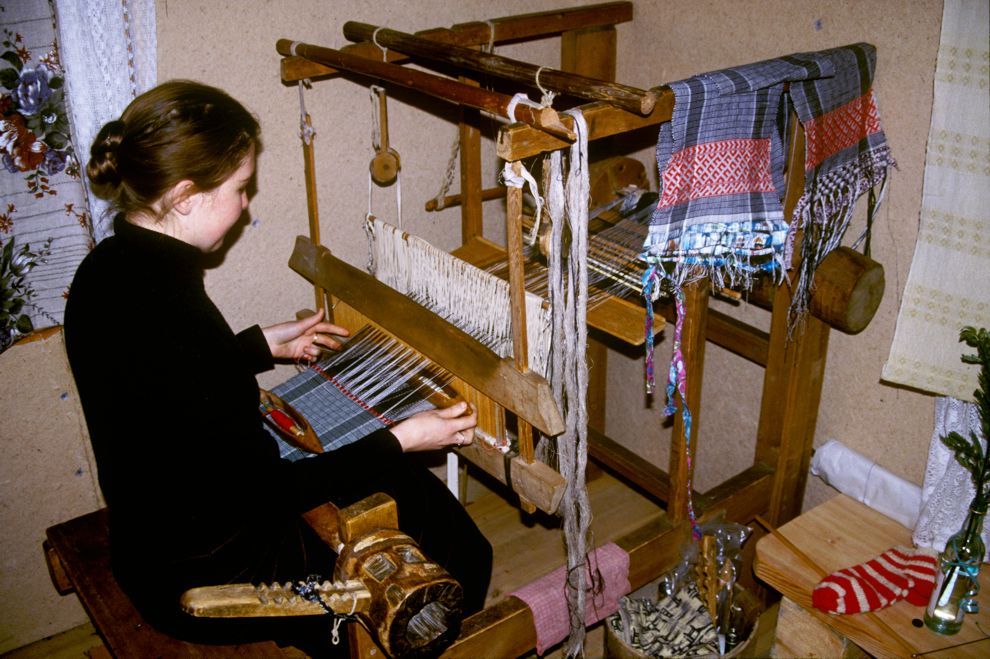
(957, 582)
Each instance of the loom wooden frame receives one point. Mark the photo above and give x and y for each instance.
(773, 485)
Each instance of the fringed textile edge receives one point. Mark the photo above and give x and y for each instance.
(824, 213)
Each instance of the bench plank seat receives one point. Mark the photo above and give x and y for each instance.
(78, 555)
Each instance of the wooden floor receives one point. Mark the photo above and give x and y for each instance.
(526, 547)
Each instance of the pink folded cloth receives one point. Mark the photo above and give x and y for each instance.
(547, 596)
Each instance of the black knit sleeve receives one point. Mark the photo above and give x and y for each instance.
(254, 347)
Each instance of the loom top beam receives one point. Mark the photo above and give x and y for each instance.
(624, 96)
(508, 28)
(544, 119)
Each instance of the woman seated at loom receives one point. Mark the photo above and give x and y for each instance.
(194, 484)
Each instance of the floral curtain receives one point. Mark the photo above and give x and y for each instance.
(51, 105)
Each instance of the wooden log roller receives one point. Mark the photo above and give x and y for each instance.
(628, 98)
(845, 293)
(543, 119)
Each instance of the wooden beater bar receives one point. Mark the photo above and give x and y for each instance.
(623, 96)
(486, 381)
(526, 393)
(544, 119)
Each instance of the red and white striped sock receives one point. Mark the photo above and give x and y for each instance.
(920, 566)
(868, 586)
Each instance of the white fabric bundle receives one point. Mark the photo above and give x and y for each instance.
(859, 477)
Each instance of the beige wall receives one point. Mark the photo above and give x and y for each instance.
(231, 44)
(47, 475)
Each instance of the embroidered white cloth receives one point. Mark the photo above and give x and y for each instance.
(950, 275)
(947, 287)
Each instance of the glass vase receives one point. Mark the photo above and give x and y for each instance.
(957, 581)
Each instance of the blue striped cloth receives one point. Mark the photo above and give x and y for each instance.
(372, 384)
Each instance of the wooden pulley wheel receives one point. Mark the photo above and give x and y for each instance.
(385, 165)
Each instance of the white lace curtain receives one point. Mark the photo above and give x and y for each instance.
(109, 48)
(947, 487)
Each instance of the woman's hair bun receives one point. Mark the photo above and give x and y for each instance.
(102, 166)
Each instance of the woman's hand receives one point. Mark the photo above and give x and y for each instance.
(436, 429)
(303, 339)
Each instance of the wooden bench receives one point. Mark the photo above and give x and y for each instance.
(839, 533)
(78, 556)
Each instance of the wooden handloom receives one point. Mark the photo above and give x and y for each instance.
(848, 289)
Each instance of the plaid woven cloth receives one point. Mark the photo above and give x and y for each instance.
(374, 383)
(846, 153)
(721, 164)
(721, 177)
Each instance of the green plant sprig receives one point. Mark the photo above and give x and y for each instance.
(969, 452)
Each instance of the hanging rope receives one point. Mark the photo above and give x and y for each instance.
(512, 180)
(547, 99)
(448, 177)
(455, 146)
(306, 130)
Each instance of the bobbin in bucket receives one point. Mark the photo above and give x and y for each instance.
(616, 647)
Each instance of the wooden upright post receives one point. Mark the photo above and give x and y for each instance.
(472, 215)
(591, 52)
(792, 383)
(693, 348)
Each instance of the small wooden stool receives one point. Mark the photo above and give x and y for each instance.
(841, 533)
(78, 555)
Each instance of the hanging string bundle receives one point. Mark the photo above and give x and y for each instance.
(567, 203)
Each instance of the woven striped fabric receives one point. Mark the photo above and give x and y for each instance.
(721, 164)
(846, 153)
(374, 383)
(721, 172)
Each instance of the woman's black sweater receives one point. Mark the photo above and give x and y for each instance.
(196, 490)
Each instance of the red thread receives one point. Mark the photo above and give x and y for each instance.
(715, 169)
(283, 420)
(344, 390)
